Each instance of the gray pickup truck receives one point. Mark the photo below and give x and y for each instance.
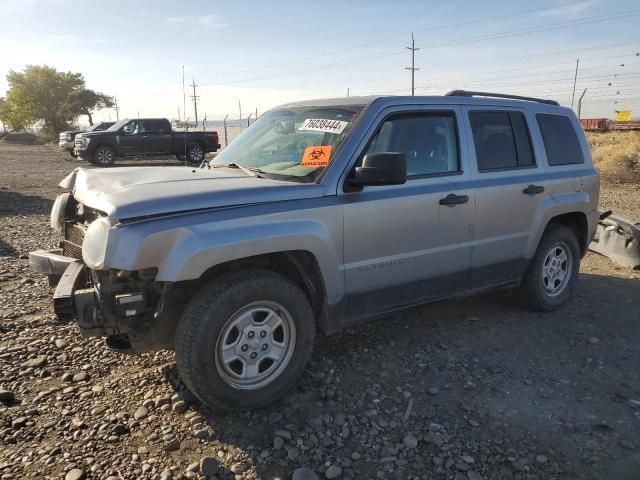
(320, 215)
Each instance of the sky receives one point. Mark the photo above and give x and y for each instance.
(263, 54)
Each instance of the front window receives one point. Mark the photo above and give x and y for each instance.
(117, 126)
(291, 143)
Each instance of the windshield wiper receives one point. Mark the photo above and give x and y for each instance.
(252, 172)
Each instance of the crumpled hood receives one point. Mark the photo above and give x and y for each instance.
(131, 192)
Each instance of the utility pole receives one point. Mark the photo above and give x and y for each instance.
(117, 109)
(575, 79)
(347, 92)
(240, 108)
(413, 67)
(184, 107)
(256, 113)
(195, 100)
(178, 113)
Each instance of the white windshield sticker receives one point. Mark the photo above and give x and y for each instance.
(323, 125)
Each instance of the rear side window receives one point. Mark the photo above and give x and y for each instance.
(156, 126)
(501, 140)
(560, 139)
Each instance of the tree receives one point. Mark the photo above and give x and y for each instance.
(12, 116)
(85, 101)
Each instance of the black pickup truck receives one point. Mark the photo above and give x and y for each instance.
(142, 137)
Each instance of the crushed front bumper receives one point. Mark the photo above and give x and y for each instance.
(618, 238)
(49, 262)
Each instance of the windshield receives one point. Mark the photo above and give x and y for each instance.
(295, 143)
(117, 126)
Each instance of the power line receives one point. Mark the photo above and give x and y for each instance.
(427, 29)
(413, 67)
(459, 41)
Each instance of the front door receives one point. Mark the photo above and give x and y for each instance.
(130, 138)
(407, 244)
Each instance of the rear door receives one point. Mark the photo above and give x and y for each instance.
(510, 188)
(157, 137)
(407, 244)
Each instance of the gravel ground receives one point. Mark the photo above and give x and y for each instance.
(466, 389)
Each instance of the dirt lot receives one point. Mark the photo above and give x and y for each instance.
(470, 389)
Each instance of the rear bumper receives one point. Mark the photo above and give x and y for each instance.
(49, 262)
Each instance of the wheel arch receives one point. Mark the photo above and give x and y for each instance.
(578, 224)
(299, 266)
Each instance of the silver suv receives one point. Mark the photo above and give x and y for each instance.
(320, 215)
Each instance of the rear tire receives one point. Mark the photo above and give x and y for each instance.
(548, 282)
(195, 154)
(104, 156)
(245, 315)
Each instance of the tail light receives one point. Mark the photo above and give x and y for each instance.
(215, 137)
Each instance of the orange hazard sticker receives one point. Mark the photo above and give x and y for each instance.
(316, 156)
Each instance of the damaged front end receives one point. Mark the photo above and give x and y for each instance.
(618, 238)
(126, 307)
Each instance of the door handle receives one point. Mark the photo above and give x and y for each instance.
(452, 200)
(533, 190)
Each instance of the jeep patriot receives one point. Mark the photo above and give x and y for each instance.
(320, 215)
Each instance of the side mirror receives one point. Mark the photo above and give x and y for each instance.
(385, 168)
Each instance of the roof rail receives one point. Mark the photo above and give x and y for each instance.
(466, 93)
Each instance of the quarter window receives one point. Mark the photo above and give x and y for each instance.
(429, 141)
(560, 140)
(501, 140)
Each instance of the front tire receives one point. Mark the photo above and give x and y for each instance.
(244, 339)
(548, 282)
(195, 154)
(104, 156)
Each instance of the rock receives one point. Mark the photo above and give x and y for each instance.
(593, 340)
(180, 406)
(18, 423)
(194, 467)
(627, 444)
(541, 459)
(120, 430)
(468, 459)
(303, 474)
(355, 456)
(166, 475)
(471, 475)
(278, 443)
(410, 442)
(334, 471)
(283, 433)
(60, 343)
(75, 474)
(35, 362)
(141, 413)
(238, 467)
(474, 423)
(209, 466)
(171, 445)
(81, 377)
(434, 439)
(433, 390)
(6, 396)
